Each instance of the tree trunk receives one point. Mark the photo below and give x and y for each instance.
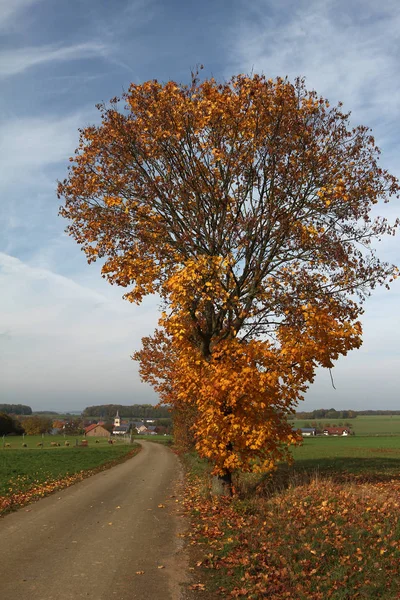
(221, 485)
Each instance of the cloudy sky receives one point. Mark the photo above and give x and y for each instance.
(66, 336)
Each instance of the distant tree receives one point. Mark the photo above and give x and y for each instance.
(109, 426)
(15, 409)
(134, 411)
(73, 427)
(37, 425)
(9, 425)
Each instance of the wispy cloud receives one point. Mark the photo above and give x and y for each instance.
(10, 9)
(14, 61)
(346, 50)
(29, 144)
(33, 154)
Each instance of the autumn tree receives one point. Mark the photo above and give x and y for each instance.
(246, 206)
(37, 425)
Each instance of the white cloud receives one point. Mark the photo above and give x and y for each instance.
(29, 144)
(17, 61)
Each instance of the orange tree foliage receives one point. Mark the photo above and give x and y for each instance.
(247, 207)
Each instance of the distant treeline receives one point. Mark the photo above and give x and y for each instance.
(327, 413)
(15, 409)
(378, 412)
(140, 411)
(332, 413)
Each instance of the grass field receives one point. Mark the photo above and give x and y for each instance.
(361, 425)
(30, 473)
(32, 441)
(378, 456)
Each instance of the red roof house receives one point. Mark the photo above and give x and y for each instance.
(96, 430)
(337, 431)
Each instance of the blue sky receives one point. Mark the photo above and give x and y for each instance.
(66, 336)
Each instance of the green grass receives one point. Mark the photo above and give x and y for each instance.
(33, 440)
(361, 425)
(338, 458)
(21, 469)
(373, 456)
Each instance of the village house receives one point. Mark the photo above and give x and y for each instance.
(150, 430)
(308, 431)
(140, 427)
(96, 430)
(343, 431)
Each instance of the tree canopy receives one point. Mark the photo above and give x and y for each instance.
(134, 411)
(246, 206)
(37, 425)
(9, 425)
(15, 409)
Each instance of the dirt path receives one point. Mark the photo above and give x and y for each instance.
(90, 540)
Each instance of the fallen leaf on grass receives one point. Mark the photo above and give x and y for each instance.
(197, 586)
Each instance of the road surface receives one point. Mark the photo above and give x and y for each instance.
(91, 540)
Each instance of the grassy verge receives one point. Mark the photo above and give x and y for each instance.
(27, 475)
(301, 534)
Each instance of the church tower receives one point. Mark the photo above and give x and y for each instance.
(117, 420)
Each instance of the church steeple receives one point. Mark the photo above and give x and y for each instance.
(117, 420)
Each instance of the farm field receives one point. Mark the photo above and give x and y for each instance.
(30, 473)
(341, 458)
(327, 447)
(361, 425)
(32, 441)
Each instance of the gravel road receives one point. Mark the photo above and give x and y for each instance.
(91, 540)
